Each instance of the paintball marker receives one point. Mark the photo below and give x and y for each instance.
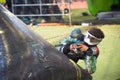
(78, 46)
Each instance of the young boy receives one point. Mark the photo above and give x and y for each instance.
(84, 47)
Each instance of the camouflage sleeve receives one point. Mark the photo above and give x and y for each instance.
(91, 64)
(88, 64)
(91, 60)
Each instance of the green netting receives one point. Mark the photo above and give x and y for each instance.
(96, 6)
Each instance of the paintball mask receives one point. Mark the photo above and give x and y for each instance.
(92, 40)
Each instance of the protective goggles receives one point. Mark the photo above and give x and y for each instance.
(91, 40)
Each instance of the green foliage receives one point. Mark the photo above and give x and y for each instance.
(96, 6)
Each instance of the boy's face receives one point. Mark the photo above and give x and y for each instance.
(91, 40)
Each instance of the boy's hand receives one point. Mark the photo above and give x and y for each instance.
(73, 47)
(82, 47)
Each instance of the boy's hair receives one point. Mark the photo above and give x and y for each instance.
(96, 32)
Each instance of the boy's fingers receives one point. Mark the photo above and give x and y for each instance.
(79, 44)
(84, 48)
(72, 46)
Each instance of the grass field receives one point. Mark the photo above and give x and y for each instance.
(108, 63)
(53, 34)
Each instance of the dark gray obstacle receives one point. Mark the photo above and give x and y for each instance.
(24, 55)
